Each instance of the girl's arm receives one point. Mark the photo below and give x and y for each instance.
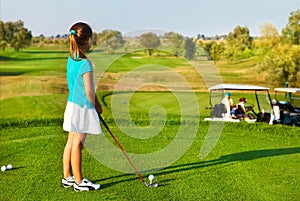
(90, 91)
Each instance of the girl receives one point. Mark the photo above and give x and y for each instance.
(241, 108)
(82, 110)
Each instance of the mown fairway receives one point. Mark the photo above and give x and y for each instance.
(249, 162)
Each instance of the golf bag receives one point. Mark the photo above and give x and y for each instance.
(218, 110)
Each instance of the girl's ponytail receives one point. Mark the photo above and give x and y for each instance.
(80, 35)
(74, 50)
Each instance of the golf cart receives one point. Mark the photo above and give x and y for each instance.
(259, 112)
(287, 105)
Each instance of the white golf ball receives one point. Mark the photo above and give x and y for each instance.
(9, 167)
(151, 177)
(3, 168)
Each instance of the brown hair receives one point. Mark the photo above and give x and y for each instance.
(243, 99)
(79, 36)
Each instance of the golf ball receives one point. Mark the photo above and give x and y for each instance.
(3, 168)
(9, 167)
(151, 177)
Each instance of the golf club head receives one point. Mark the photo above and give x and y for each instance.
(154, 185)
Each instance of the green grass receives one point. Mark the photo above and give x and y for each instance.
(33, 106)
(261, 165)
(249, 162)
(33, 61)
(127, 62)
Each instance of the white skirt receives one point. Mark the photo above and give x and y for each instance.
(81, 119)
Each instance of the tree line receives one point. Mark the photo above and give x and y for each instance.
(280, 52)
(15, 35)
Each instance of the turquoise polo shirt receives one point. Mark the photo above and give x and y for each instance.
(75, 72)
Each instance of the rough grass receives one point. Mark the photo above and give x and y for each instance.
(241, 71)
(41, 71)
(36, 71)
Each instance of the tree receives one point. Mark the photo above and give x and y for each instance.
(282, 61)
(3, 41)
(282, 64)
(95, 38)
(15, 34)
(268, 38)
(150, 41)
(237, 42)
(207, 46)
(112, 39)
(200, 36)
(189, 48)
(21, 38)
(3, 44)
(291, 33)
(216, 51)
(175, 41)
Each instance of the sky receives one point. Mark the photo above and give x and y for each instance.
(187, 17)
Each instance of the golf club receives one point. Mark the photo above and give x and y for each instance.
(155, 184)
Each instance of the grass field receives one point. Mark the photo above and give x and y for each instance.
(249, 162)
(258, 165)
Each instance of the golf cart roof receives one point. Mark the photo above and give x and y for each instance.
(291, 90)
(237, 87)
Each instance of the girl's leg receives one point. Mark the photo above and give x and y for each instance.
(77, 145)
(67, 156)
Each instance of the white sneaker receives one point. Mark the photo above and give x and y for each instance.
(85, 185)
(69, 182)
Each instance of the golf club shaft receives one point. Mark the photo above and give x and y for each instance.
(124, 152)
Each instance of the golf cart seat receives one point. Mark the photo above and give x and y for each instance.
(239, 111)
(286, 106)
(218, 110)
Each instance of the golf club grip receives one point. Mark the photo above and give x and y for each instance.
(124, 152)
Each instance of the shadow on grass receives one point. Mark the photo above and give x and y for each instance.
(56, 51)
(107, 185)
(5, 58)
(17, 72)
(12, 73)
(46, 52)
(226, 159)
(16, 168)
(242, 156)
